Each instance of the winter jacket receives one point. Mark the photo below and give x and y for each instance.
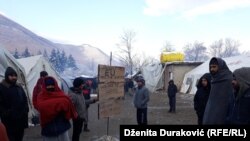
(13, 105)
(141, 98)
(217, 108)
(37, 89)
(172, 90)
(202, 95)
(56, 126)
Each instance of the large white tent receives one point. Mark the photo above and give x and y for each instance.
(33, 66)
(192, 77)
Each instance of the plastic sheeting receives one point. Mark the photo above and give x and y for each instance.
(153, 76)
(171, 57)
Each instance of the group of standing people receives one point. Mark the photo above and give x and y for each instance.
(55, 108)
(223, 97)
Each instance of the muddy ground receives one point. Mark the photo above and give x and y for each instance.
(157, 115)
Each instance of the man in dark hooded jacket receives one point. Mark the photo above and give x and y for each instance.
(172, 90)
(201, 96)
(240, 113)
(217, 108)
(13, 106)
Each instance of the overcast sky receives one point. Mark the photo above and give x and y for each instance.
(100, 23)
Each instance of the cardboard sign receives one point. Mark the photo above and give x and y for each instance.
(111, 90)
(110, 74)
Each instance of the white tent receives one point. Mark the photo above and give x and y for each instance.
(33, 66)
(192, 77)
(7, 60)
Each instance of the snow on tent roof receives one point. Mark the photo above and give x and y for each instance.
(191, 78)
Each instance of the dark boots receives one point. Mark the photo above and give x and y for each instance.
(85, 128)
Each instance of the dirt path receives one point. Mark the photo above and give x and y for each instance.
(157, 114)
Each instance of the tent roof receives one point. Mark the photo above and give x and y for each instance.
(29, 62)
(233, 63)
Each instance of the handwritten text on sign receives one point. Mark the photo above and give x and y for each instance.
(110, 73)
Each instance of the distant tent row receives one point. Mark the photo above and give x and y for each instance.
(28, 71)
(192, 77)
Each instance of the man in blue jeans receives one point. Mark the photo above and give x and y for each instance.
(141, 98)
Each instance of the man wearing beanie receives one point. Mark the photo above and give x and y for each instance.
(141, 99)
(13, 106)
(218, 104)
(75, 93)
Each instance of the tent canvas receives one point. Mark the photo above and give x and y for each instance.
(152, 74)
(33, 66)
(192, 77)
(7, 60)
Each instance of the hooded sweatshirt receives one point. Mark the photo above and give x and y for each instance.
(217, 108)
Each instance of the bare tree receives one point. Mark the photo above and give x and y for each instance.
(226, 48)
(216, 48)
(231, 48)
(126, 49)
(168, 47)
(195, 52)
(142, 60)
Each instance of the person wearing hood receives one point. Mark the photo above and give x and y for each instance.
(38, 87)
(201, 96)
(80, 103)
(141, 99)
(240, 113)
(56, 110)
(218, 104)
(13, 106)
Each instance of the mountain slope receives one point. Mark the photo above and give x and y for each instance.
(14, 36)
